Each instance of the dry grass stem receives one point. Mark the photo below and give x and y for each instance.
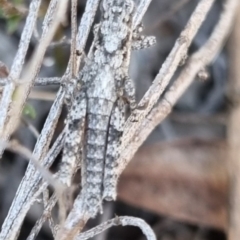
(16, 86)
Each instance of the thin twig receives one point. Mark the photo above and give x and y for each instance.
(29, 188)
(47, 81)
(42, 95)
(16, 147)
(196, 62)
(9, 118)
(140, 11)
(46, 213)
(16, 68)
(63, 41)
(131, 141)
(38, 82)
(32, 129)
(85, 27)
(31, 185)
(73, 35)
(50, 219)
(59, 188)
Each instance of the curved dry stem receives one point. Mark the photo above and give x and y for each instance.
(123, 221)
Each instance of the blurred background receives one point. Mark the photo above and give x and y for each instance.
(177, 182)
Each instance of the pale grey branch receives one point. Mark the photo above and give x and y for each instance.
(196, 62)
(161, 81)
(13, 107)
(148, 115)
(46, 214)
(39, 81)
(29, 188)
(73, 37)
(140, 11)
(16, 70)
(47, 81)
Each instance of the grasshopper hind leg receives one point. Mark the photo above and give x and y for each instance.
(113, 150)
(74, 139)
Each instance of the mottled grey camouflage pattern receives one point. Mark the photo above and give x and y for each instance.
(97, 116)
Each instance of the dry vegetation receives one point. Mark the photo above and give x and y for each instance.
(179, 163)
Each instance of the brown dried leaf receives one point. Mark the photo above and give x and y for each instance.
(185, 180)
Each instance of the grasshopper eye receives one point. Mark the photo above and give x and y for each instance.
(117, 10)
